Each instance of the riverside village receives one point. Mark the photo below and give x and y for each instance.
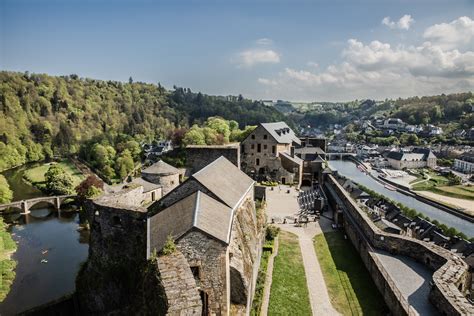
(237, 158)
(224, 234)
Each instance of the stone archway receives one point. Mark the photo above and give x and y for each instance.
(238, 290)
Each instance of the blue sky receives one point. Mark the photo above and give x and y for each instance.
(296, 50)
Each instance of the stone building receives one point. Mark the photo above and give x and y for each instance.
(312, 152)
(199, 156)
(418, 158)
(465, 163)
(268, 154)
(211, 217)
(163, 174)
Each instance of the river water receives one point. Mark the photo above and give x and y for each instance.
(350, 171)
(50, 250)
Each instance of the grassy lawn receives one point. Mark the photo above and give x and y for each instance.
(36, 175)
(350, 287)
(455, 191)
(289, 293)
(7, 266)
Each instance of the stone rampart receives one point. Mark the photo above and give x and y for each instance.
(199, 156)
(450, 271)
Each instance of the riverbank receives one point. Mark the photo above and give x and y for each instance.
(36, 175)
(7, 265)
(431, 210)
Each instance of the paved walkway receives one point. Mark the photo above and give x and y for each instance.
(281, 204)
(412, 279)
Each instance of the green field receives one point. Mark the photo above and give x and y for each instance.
(35, 175)
(289, 293)
(7, 266)
(350, 287)
(440, 184)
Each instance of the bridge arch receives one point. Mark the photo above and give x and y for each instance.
(51, 202)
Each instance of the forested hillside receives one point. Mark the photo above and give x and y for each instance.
(42, 116)
(453, 109)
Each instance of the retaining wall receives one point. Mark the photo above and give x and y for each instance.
(450, 271)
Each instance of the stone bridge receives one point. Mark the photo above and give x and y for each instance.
(333, 156)
(26, 205)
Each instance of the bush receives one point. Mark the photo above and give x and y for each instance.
(271, 232)
(169, 246)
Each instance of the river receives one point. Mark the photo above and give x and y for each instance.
(50, 250)
(350, 171)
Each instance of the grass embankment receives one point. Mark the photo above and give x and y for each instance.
(36, 175)
(289, 292)
(261, 277)
(350, 287)
(7, 265)
(431, 181)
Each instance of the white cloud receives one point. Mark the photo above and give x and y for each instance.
(313, 64)
(404, 23)
(264, 41)
(378, 69)
(459, 32)
(267, 82)
(251, 57)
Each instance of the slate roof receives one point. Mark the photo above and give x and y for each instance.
(197, 210)
(297, 160)
(147, 186)
(309, 150)
(282, 133)
(416, 154)
(161, 168)
(225, 180)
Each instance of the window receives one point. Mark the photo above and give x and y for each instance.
(265, 136)
(252, 146)
(259, 148)
(196, 272)
(257, 162)
(273, 149)
(265, 147)
(117, 221)
(253, 136)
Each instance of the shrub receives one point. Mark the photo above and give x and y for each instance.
(169, 246)
(271, 232)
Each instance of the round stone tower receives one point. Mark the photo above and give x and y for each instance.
(163, 174)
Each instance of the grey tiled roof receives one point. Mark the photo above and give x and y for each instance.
(161, 168)
(282, 133)
(225, 180)
(309, 150)
(147, 186)
(197, 210)
(297, 160)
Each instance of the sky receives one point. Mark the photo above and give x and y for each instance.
(291, 50)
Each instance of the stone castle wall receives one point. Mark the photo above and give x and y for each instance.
(450, 271)
(117, 243)
(197, 157)
(210, 257)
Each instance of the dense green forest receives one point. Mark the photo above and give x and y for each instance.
(453, 109)
(44, 116)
